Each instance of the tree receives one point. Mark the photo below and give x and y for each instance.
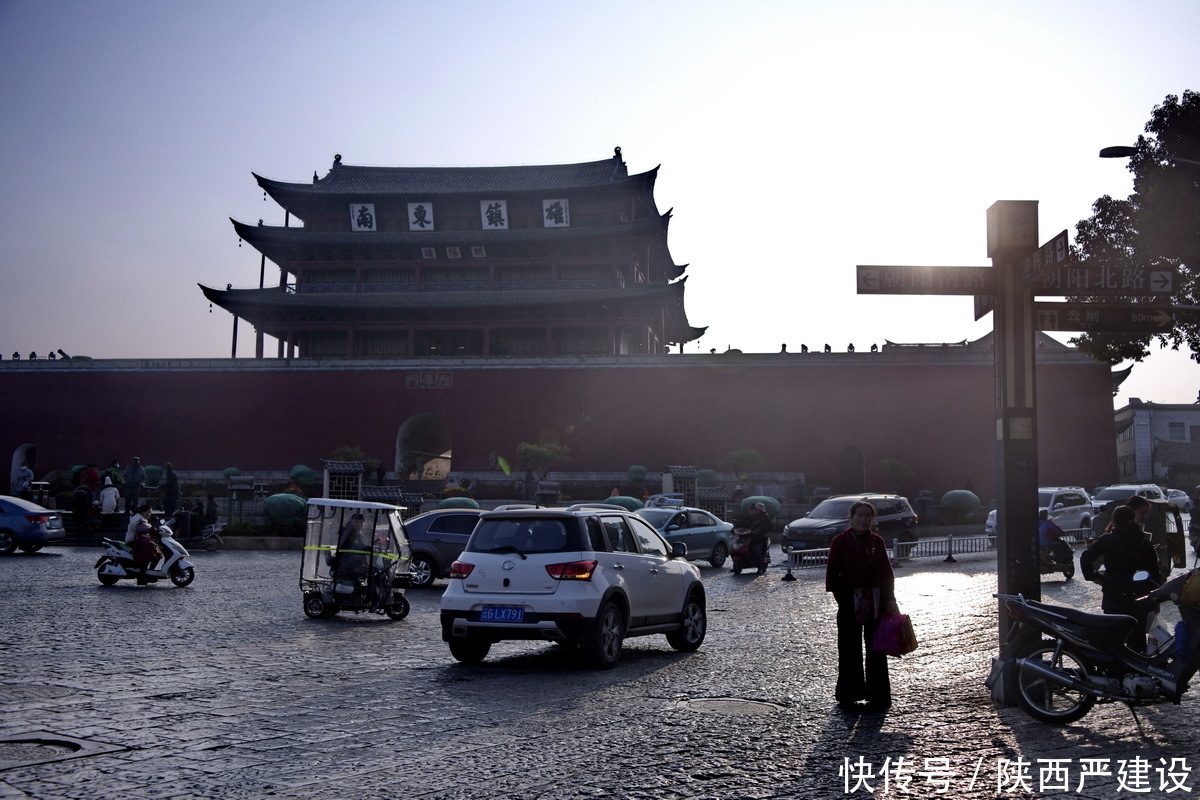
(541, 457)
(743, 462)
(1158, 227)
(893, 470)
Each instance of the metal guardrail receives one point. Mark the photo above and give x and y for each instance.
(946, 547)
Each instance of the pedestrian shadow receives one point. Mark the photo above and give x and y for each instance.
(851, 754)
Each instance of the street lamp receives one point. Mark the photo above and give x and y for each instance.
(1123, 151)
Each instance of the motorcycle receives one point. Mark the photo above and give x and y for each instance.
(117, 562)
(1057, 557)
(742, 554)
(1079, 659)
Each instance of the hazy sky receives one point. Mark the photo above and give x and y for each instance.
(796, 139)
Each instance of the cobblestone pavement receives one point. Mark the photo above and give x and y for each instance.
(225, 689)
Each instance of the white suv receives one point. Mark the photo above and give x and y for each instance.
(586, 575)
(1070, 507)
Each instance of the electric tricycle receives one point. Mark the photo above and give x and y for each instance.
(355, 558)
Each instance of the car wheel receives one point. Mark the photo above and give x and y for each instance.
(907, 536)
(423, 572)
(719, 554)
(604, 645)
(469, 650)
(8, 542)
(30, 548)
(692, 627)
(182, 576)
(399, 608)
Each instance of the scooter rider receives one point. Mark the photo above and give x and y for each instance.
(1050, 540)
(759, 525)
(146, 552)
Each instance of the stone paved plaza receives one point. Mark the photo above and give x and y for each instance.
(225, 689)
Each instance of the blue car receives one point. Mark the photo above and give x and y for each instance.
(27, 525)
(706, 536)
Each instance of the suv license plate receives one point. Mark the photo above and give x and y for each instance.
(502, 614)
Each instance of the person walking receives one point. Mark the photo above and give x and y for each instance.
(135, 476)
(170, 490)
(1125, 551)
(859, 575)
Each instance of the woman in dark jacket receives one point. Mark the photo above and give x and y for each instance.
(859, 574)
(758, 522)
(1125, 550)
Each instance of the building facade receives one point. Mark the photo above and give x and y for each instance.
(403, 262)
(1158, 443)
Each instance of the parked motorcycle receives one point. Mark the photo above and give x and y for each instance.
(1079, 659)
(117, 562)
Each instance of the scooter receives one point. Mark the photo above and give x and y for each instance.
(742, 553)
(117, 562)
(1057, 557)
(1065, 661)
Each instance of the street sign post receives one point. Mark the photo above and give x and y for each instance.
(1094, 317)
(1052, 254)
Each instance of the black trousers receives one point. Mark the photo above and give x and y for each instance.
(854, 682)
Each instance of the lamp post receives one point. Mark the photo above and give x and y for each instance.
(1124, 151)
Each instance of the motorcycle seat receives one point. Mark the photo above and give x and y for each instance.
(1096, 621)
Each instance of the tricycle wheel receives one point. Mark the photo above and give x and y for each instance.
(316, 607)
(399, 608)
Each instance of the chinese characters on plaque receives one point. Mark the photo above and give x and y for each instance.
(556, 213)
(494, 214)
(362, 217)
(428, 380)
(420, 216)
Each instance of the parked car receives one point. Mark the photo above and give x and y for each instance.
(1118, 493)
(706, 536)
(894, 519)
(436, 538)
(27, 525)
(1069, 506)
(1181, 499)
(586, 575)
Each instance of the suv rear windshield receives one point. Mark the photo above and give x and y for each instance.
(522, 535)
(836, 508)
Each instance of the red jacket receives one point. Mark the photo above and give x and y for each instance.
(855, 564)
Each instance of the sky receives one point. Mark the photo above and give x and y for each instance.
(795, 140)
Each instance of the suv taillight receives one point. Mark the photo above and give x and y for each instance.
(460, 569)
(572, 571)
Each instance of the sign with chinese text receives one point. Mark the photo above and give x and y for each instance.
(556, 213)
(1053, 253)
(428, 380)
(428, 252)
(493, 214)
(1129, 318)
(925, 280)
(420, 216)
(362, 217)
(1112, 281)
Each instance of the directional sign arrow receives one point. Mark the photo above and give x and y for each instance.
(1111, 318)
